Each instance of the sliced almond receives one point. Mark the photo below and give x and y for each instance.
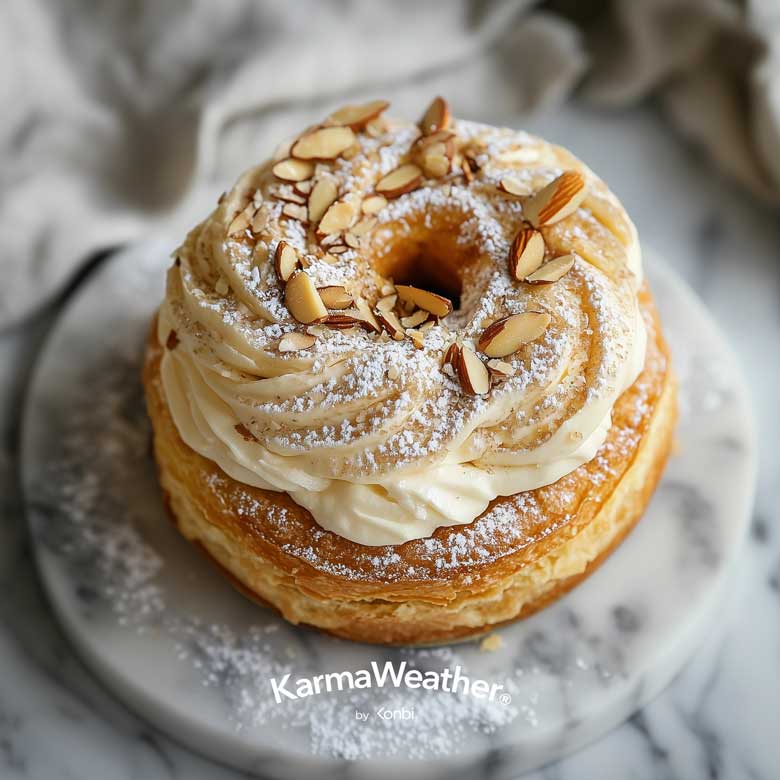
(337, 218)
(286, 193)
(500, 369)
(417, 338)
(325, 143)
(294, 342)
(341, 321)
(260, 219)
(351, 152)
(303, 300)
(403, 179)
(286, 261)
(387, 303)
(413, 320)
(465, 167)
(451, 355)
(472, 372)
(526, 253)
(552, 271)
(437, 117)
(446, 137)
(357, 117)
(351, 240)
(366, 225)
(241, 221)
(294, 211)
(423, 299)
(373, 204)
(436, 165)
(390, 322)
(304, 188)
(335, 296)
(513, 186)
(293, 170)
(367, 316)
(557, 200)
(331, 240)
(339, 249)
(376, 128)
(505, 336)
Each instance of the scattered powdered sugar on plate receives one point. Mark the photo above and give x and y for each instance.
(123, 562)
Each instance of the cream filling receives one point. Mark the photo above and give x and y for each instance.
(397, 507)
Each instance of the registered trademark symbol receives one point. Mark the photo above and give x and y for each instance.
(505, 698)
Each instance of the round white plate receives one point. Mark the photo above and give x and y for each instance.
(160, 626)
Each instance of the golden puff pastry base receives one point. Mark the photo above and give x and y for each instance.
(274, 552)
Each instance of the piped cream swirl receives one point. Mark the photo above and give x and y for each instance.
(367, 433)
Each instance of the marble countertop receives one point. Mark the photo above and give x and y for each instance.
(718, 719)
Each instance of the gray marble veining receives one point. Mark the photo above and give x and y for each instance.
(715, 719)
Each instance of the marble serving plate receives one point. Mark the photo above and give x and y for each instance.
(161, 627)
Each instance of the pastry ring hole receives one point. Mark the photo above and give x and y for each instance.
(437, 260)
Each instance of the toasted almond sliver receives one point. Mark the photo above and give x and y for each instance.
(341, 321)
(505, 336)
(423, 299)
(339, 249)
(424, 143)
(451, 355)
(390, 322)
(437, 117)
(367, 316)
(417, 338)
(387, 303)
(513, 187)
(560, 198)
(373, 204)
(376, 128)
(357, 117)
(499, 369)
(552, 271)
(293, 170)
(403, 179)
(413, 320)
(335, 296)
(294, 342)
(325, 143)
(322, 195)
(337, 218)
(351, 240)
(436, 165)
(526, 253)
(286, 261)
(366, 225)
(472, 372)
(294, 211)
(286, 193)
(303, 300)
(241, 221)
(260, 219)
(304, 188)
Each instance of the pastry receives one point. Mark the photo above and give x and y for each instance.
(407, 383)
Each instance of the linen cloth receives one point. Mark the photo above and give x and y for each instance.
(123, 116)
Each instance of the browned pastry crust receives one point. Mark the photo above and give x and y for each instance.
(522, 553)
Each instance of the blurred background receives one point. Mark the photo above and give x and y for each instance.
(123, 119)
